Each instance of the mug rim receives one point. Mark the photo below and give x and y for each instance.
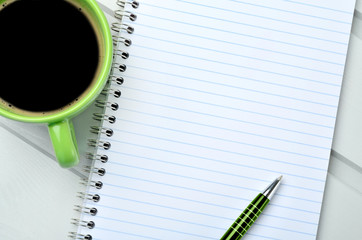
(92, 93)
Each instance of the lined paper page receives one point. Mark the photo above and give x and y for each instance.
(221, 97)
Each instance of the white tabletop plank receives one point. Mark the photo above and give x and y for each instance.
(341, 210)
(36, 195)
(348, 133)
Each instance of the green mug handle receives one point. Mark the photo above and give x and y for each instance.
(64, 143)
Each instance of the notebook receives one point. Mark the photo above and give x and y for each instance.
(210, 101)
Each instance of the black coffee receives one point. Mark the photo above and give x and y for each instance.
(49, 54)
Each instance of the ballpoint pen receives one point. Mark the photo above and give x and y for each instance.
(251, 213)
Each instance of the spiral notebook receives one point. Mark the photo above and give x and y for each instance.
(209, 101)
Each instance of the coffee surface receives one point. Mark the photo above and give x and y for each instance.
(49, 54)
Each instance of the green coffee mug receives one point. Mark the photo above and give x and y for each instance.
(59, 122)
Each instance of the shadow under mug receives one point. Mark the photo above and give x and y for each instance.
(59, 122)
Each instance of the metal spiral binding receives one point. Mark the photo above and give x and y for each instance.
(123, 3)
(100, 117)
(87, 210)
(119, 39)
(77, 236)
(121, 53)
(103, 104)
(120, 66)
(100, 171)
(119, 14)
(97, 157)
(117, 80)
(95, 184)
(117, 27)
(81, 223)
(99, 144)
(100, 130)
(115, 92)
(91, 197)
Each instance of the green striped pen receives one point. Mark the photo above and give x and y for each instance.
(251, 213)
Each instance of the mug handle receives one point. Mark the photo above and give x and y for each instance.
(64, 143)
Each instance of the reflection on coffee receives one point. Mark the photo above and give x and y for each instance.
(49, 54)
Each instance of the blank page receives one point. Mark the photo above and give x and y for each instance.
(219, 98)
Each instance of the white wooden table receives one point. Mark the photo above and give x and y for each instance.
(37, 197)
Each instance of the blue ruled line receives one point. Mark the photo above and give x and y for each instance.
(154, 227)
(193, 212)
(174, 186)
(195, 201)
(210, 137)
(125, 233)
(172, 208)
(195, 223)
(231, 75)
(240, 44)
(110, 219)
(217, 160)
(247, 14)
(175, 130)
(288, 11)
(156, 216)
(236, 109)
(203, 180)
(249, 68)
(250, 79)
(261, 38)
(229, 53)
(198, 190)
(222, 150)
(224, 162)
(228, 129)
(231, 119)
(243, 110)
(226, 173)
(226, 85)
(316, 6)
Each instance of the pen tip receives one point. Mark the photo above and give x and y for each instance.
(270, 190)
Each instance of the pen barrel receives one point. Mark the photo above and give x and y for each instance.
(246, 218)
